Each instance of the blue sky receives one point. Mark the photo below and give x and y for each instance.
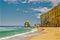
(16, 12)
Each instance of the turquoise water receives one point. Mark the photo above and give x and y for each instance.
(11, 30)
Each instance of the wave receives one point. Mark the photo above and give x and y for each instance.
(9, 28)
(33, 30)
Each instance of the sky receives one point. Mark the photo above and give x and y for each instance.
(16, 12)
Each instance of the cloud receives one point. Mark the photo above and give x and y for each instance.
(34, 0)
(38, 15)
(15, 1)
(54, 2)
(10, 0)
(42, 10)
(17, 9)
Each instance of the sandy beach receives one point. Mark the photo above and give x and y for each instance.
(49, 33)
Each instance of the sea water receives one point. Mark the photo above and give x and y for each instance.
(12, 30)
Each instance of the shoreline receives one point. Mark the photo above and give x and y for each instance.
(33, 30)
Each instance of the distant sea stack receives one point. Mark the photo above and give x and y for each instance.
(27, 24)
(37, 25)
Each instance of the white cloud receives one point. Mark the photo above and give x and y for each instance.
(54, 2)
(34, 0)
(10, 0)
(24, 2)
(15, 1)
(38, 15)
(45, 9)
(42, 10)
(17, 9)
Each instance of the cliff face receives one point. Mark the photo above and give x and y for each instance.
(51, 18)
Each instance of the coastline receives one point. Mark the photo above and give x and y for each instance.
(33, 30)
(49, 33)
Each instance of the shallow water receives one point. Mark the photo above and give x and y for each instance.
(10, 30)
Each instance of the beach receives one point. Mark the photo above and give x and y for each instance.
(49, 33)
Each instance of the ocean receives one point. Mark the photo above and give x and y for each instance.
(12, 30)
